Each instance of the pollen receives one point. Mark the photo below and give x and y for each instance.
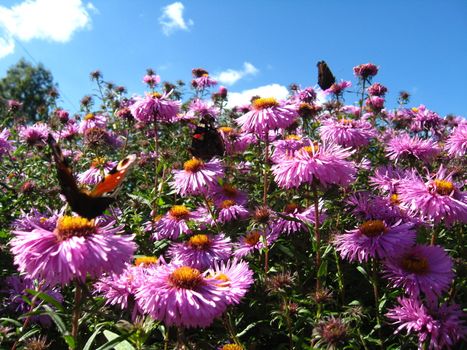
(394, 199)
(145, 260)
(186, 277)
(226, 129)
(347, 122)
(97, 162)
(252, 238)
(293, 137)
(227, 203)
(232, 347)
(222, 277)
(444, 187)
(193, 165)
(74, 226)
(265, 102)
(200, 242)
(373, 228)
(156, 95)
(414, 109)
(179, 212)
(311, 150)
(89, 116)
(415, 264)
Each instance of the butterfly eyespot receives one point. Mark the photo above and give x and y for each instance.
(124, 162)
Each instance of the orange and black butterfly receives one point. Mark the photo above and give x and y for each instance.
(89, 204)
(325, 76)
(206, 141)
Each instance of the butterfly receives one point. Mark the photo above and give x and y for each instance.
(325, 76)
(89, 204)
(206, 142)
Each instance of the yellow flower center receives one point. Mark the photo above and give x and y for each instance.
(252, 238)
(222, 277)
(232, 347)
(200, 242)
(156, 95)
(346, 121)
(145, 260)
(74, 226)
(311, 150)
(293, 137)
(186, 277)
(394, 199)
(226, 129)
(157, 218)
(414, 109)
(415, 264)
(89, 116)
(444, 187)
(193, 165)
(205, 75)
(97, 162)
(227, 203)
(42, 220)
(265, 102)
(179, 212)
(373, 228)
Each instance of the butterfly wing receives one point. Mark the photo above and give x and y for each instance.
(115, 177)
(325, 76)
(207, 143)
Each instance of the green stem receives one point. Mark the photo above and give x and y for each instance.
(76, 312)
(266, 167)
(340, 278)
(317, 235)
(374, 282)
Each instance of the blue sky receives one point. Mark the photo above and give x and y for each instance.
(420, 46)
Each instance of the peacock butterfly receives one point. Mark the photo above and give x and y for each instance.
(325, 76)
(89, 204)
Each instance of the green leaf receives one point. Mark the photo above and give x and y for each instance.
(47, 298)
(70, 341)
(10, 320)
(362, 271)
(57, 320)
(88, 344)
(323, 269)
(116, 342)
(28, 334)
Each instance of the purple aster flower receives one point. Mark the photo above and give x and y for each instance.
(307, 95)
(236, 142)
(426, 120)
(70, 130)
(456, 144)
(229, 192)
(201, 251)
(16, 287)
(14, 106)
(337, 89)
(443, 326)
(62, 115)
(173, 224)
(75, 249)
(202, 80)
(377, 90)
(404, 146)
(182, 296)
(229, 210)
(94, 174)
(197, 177)
(151, 79)
(235, 275)
(285, 149)
(420, 269)
(365, 71)
(376, 103)
(35, 134)
(325, 163)
(437, 199)
(388, 178)
(267, 114)
(29, 221)
(347, 132)
(199, 108)
(5, 145)
(155, 106)
(253, 240)
(92, 120)
(305, 216)
(374, 239)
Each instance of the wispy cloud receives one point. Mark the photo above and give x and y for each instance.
(231, 76)
(172, 18)
(52, 20)
(272, 90)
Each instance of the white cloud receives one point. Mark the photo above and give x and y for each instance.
(231, 76)
(244, 97)
(53, 20)
(172, 18)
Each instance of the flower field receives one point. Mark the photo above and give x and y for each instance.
(169, 221)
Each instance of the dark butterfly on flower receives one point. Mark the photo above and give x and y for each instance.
(206, 141)
(93, 203)
(325, 76)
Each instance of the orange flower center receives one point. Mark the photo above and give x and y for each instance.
(227, 203)
(293, 137)
(395, 199)
(193, 165)
(186, 277)
(97, 162)
(232, 347)
(252, 238)
(415, 264)
(226, 129)
(89, 116)
(200, 242)
(74, 226)
(145, 260)
(156, 95)
(290, 208)
(265, 102)
(373, 228)
(311, 150)
(179, 212)
(444, 187)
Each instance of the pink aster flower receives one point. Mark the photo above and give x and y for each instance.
(307, 95)
(235, 275)
(173, 224)
(229, 210)
(365, 71)
(29, 221)
(236, 142)
(337, 89)
(182, 296)
(70, 130)
(75, 249)
(155, 106)
(254, 240)
(377, 90)
(443, 326)
(376, 103)
(420, 269)
(202, 80)
(151, 79)
(387, 178)
(347, 132)
(201, 251)
(456, 144)
(426, 120)
(374, 239)
(94, 174)
(286, 148)
(267, 114)
(325, 163)
(437, 199)
(35, 134)
(6, 146)
(14, 106)
(229, 192)
(199, 108)
(299, 217)
(197, 177)
(92, 120)
(404, 146)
